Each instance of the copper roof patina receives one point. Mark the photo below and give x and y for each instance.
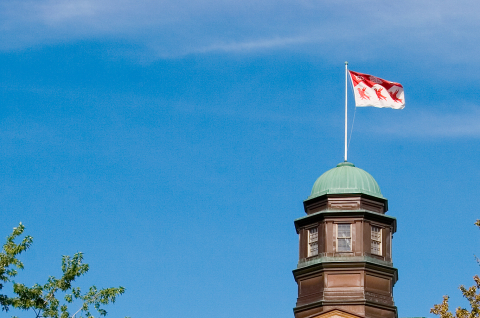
(346, 178)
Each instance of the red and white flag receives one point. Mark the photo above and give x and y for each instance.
(374, 91)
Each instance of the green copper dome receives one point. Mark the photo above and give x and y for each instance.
(346, 178)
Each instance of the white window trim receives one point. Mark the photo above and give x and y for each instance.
(339, 238)
(312, 240)
(376, 238)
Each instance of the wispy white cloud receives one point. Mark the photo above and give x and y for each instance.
(60, 11)
(465, 123)
(178, 27)
(271, 43)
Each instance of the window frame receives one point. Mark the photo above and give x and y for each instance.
(338, 238)
(312, 242)
(376, 239)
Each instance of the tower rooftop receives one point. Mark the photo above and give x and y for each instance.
(345, 178)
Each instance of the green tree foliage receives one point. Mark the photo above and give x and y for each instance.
(472, 294)
(53, 298)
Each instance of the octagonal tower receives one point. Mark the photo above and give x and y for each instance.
(345, 255)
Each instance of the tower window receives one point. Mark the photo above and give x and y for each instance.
(344, 237)
(312, 241)
(376, 240)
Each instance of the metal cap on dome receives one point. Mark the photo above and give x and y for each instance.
(344, 179)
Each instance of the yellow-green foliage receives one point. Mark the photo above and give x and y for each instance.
(52, 298)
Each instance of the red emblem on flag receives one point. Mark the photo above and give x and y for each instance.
(378, 91)
(393, 95)
(362, 93)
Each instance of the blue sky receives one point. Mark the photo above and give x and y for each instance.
(174, 142)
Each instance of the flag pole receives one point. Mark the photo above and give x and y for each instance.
(346, 64)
